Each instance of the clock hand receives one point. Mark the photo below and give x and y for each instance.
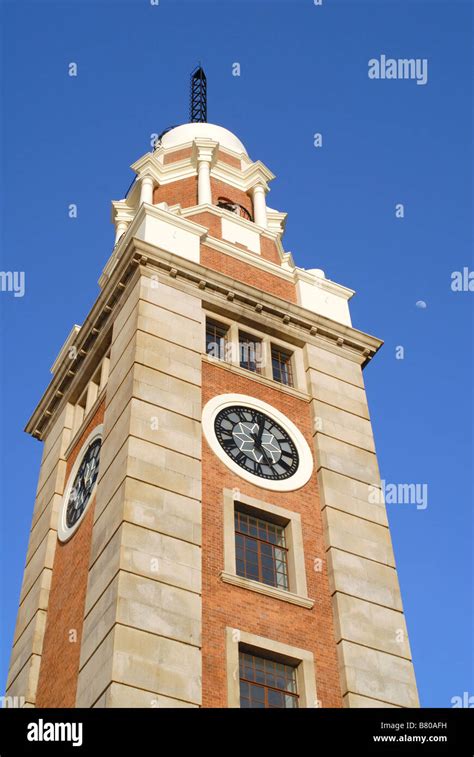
(260, 433)
(262, 450)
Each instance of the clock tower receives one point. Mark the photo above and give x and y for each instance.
(205, 531)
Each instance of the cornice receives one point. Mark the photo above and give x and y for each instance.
(329, 286)
(65, 348)
(219, 287)
(258, 171)
(213, 287)
(180, 221)
(244, 180)
(215, 210)
(172, 215)
(149, 165)
(91, 337)
(161, 151)
(223, 213)
(136, 216)
(278, 218)
(239, 178)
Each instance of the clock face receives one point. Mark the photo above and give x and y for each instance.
(256, 442)
(83, 483)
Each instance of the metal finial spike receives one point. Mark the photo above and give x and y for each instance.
(198, 99)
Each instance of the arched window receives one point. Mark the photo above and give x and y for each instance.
(234, 207)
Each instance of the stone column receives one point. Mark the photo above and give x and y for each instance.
(204, 182)
(120, 229)
(146, 190)
(259, 205)
(204, 156)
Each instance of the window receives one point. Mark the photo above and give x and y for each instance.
(281, 366)
(243, 345)
(263, 549)
(266, 683)
(260, 550)
(271, 674)
(234, 207)
(251, 352)
(216, 338)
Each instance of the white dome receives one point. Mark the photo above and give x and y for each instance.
(187, 132)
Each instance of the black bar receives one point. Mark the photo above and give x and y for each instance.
(133, 732)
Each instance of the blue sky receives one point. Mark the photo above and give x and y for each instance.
(303, 70)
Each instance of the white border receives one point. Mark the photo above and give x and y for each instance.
(65, 533)
(305, 467)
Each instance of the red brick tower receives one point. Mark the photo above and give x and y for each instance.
(204, 532)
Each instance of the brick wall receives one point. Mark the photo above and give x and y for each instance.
(269, 250)
(230, 159)
(210, 221)
(227, 605)
(248, 274)
(60, 659)
(173, 157)
(186, 152)
(183, 192)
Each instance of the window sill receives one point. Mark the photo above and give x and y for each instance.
(270, 591)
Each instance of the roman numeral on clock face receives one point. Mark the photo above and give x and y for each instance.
(259, 469)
